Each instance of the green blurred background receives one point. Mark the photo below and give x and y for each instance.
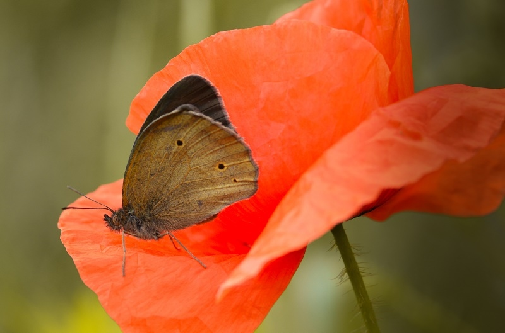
(69, 70)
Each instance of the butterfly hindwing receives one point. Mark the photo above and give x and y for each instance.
(185, 168)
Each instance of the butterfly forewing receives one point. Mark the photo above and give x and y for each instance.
(187, 171)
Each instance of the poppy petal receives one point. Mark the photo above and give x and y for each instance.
(165, 290)
(291, 91)
(470, 188)
(384, 23)
(395, 147)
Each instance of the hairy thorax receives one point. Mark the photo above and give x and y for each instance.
(139, 226)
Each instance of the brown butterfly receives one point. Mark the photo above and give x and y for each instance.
(186, 165)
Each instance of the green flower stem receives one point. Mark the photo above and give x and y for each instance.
(354, 274)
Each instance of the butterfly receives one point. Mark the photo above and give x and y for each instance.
(186, 165)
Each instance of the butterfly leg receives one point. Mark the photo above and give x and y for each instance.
(124, 252)
(172, 238)
(159, 236)
(175, 245)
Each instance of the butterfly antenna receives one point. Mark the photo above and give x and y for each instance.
(188, 251)
(124, 251)
(73, 189)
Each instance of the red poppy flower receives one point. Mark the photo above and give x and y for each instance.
(324, 99)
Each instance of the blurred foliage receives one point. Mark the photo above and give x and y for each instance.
(71, 68)
(83, 316)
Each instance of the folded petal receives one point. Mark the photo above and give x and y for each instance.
(165, 290)
(395, 147)
(470, 188)
(385, 23)
(291, 90)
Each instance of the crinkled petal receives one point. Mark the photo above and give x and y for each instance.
(291, 90)
(385, 23)
(470, 188)
(395, 147)
(165, 290)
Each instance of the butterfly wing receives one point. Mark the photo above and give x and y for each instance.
(194, 90)
(185, 168)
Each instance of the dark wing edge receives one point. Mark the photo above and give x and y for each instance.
(195, 90)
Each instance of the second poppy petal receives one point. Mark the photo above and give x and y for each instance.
(469, 188)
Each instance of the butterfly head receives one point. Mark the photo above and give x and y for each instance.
(115, 221)
(126, 220)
